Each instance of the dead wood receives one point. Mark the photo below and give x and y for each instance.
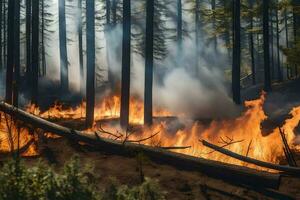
(286, 169)
(232, 173)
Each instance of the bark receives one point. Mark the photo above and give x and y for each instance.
(232, 173)
(279, 71)
(43, 39)
(16, 81)
(64, 77)
(28, 42)
(236, 66)
(10, 51)
(148, 113)
(35, 51)
(286, 39)
(251, 45)
(90, 41)
(267, 85)
(287, 169)
(126, 62)
(80, 46)
(179, 28)
(272, 45)
(1, 41)
(213, 7)
(197, 32)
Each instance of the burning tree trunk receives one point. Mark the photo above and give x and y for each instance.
(149, 63)
(266, 45)
(236, 66)
(64, 77)
(125, 91)
(90, 41)
(35, 51)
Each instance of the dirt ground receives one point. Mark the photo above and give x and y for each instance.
(178, 185)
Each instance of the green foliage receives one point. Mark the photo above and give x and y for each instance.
(19, 182)
(39, 183)
(149, 190)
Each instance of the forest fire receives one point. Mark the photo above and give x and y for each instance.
(242, 135)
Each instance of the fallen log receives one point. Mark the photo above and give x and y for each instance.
(227, 172)
(286, 169)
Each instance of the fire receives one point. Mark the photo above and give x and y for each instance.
(9, 134)
(107, 109)
(242, 135)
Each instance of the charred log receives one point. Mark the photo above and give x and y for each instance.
(232, 173)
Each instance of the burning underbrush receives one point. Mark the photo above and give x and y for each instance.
(242, 135)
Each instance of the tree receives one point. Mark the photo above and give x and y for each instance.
(16, 81)
(148, 113)
(179, 27)
(90, 41)
(28, 41)
(279, 71)
(10, 51)
(126, 53)
(236, 66)
(266, 45)
(251, 42)
(80, 45)
(64, 77)
(35, 50)
(1, 41)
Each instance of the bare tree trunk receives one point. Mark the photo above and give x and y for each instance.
(1, 41)
(126, 62)
(10, 51)
(179, 28)
(80, 46)
(90, 41)
(286, 40)
(266, 45)
(35, 50)
(64, 74)
(236, 67)
(28, 43)
(16, 81)
(43, 39)
(148, 113)
(279, 71)
(251, 42)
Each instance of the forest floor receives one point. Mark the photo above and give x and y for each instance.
(178, 184)
(181, 185)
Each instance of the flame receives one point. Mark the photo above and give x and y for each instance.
(9, 134)
(107, 109)
(242, 135)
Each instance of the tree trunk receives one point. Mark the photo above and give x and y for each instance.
(251, 45)
(10, 51)
(28, 42)
(90, 83)
(286, 40)
(197, 32)
(114, 12)
(64, 77)
(272, 45)
(43, 39)
(80, 46)
(179, 29)
(215, 40)
(35, 51)
(236, 67)
(279, 71)
(266, 45)
(16, 81)
(1, 41)
(126, 62)
(148, 113)
(108, 41)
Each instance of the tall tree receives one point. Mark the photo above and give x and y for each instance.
(1, 41)
(80, 45)
(35, 50)
(126, 61)
(251, 43)
(10, 51)
(90, 42)
(279, 71)
(64, 77)
(28, 41)
(43, 72)
(148, 113)
(179, 27)
(266, 45)
(236, 65)
(16, 81)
